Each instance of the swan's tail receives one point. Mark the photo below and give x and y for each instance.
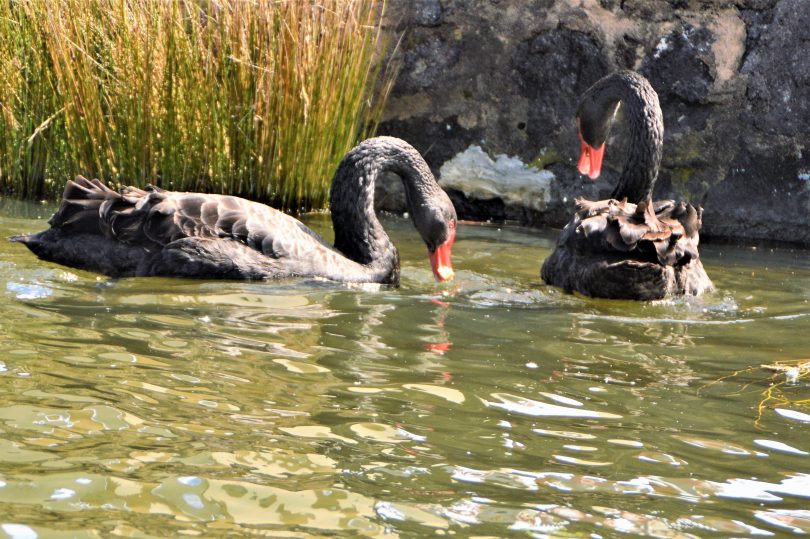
(84, 231)
(78, 213)
(37, 243)
(22, 238)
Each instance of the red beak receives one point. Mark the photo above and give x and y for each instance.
(440, 258)
(590, 160)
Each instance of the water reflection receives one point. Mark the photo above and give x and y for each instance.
(498, 407)
(443, 343)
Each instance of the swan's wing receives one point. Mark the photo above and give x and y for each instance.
(260, 227)
(662, 231)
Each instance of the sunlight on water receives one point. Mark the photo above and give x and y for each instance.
(493, 406)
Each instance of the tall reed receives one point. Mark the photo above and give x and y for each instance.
(259, 98)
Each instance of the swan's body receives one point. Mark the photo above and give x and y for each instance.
(627, 247)
(138, 232)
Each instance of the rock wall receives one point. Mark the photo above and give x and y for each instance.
(733, 77)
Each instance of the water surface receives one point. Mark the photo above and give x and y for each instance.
(495, 407)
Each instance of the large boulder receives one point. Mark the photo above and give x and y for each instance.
(504, 76)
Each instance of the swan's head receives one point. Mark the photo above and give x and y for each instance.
(436, 223)
(593, 124)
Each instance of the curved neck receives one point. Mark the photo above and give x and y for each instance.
(643, 112)
(358, 233)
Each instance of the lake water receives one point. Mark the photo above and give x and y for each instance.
(495, 407)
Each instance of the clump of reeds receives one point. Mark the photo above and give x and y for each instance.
(259, 98)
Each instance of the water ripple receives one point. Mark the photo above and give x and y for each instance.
(492, 407)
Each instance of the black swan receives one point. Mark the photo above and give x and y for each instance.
(627, 247)
(138, 232)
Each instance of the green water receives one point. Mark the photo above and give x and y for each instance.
(497, 407)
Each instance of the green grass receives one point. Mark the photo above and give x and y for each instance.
(254, 98)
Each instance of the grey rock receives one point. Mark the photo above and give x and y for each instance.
(426, 62)
(427, 12)
(779, 71)
(678, 66)
(552, 70)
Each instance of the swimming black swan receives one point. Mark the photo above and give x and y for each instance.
(138, 232)
(627, 247)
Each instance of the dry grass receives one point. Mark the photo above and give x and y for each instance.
(787, 385)
(255, 98)
(787, 377)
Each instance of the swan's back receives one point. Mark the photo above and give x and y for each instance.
(154, 232)
(153, 217)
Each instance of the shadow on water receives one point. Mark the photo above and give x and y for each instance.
(495, 406)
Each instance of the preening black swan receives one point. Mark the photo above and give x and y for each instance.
(138, 232)
(627, 247)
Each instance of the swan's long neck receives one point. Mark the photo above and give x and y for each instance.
(643, 112)
(358, 233)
